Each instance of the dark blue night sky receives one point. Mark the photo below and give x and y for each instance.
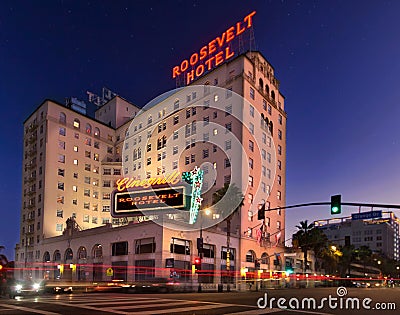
(338, 63)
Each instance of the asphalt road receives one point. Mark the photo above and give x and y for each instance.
(208, 303)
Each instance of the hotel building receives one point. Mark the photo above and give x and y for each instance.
(231, 123)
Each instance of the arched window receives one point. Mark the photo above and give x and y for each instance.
(273, 95)
(267, 89)
(77, 123)
(149, 120)
(206, 88)
(69, 255)
(271, 128)
(88, 129)
(265, 259)
(97, 132)
(57, 255)
(97, 251)
(261, 83)
(139, 153)
(176, 104)
(46, 257)
(63, 118)
(82, 253)
(250, 256)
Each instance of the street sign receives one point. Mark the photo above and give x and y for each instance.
(109, 272)
(367, 215)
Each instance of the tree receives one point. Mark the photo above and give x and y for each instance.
(303, 239)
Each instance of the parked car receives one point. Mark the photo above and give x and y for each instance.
(25, 287)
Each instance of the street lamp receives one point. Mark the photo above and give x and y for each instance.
(207, 212)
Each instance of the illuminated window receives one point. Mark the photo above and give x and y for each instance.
(61, 158)
(75, 188)
(75, 148)
(88, 141)
(76, 123)
(85, 218)
(176, 135)
(96, 157)
(278, 195)
(215, 131)
(59, 227)
(63, 118)
(88, 129)
(106, 208)
(216, 98)
(97, 132)
(250, 198)
(76, 162)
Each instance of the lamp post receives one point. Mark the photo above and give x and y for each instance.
(207, 212)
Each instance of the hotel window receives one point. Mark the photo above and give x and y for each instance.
(279, 150)
(117, 171)
(75, 202)
(87, 167)
(75, 162)
(109, 137)
(250, 215)
(106, 208)
(179, 246)
(206, 137)
(227, 163)
(216, 98)
(159, 157)
(269, 141)
(251, 108)
(251, 128)
(188, 113)
(63, 118)
(60, 199)
(76, 123)
(278, 195)
(175, 150)
(94, 220)
(61, 145)
(268, 189)
(264, 138)
(206, 104)
(59, 227)
(75, 188)
(252, 93)
(194, 110)
(145, 246)
(263, 154)
(86, 192)
(263, 187)
(176, 135)
(269, 109)
(227, 179)
(279, 179)
(75, 148)
(215, 115)
(264, 171)
(228, 127)
(192, 158)
(96, 144)
(61, 172)
(250, 198)
(96, 169)
(88, 141)
(61, 158)
(149, 134)
(229, 92)
(264, 104)
(228, 144)
(251, 163)
(205, 154)
(85, 218)
(206, 120)
(228, 110)
(251, 146)
(278, 225)
(251, 181)
(105, 220)
(149, 161)
(76, 175)
(60, 186)
(215, 148)
(176, 120)
(174, 165)
(88, 154)
(95, 195)
(87, 180)
(106, 183)
(97, 132)
(280, 119)
(86, 205)
(279, 134)
(110, 150)
(62, 131)
(279, 164)
(96, 157)
(268, 173)
(187, 160)
(76, 135)
(176, 105)
(59, 213)
(215, 165)
(269, 157)
(215, 131)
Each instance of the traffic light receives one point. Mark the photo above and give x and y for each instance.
(336, 204)
(197, 263)
(200, 244)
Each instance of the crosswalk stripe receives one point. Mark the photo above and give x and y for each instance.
(177, 310)
(125, 302)
(140, 306)
(27, 309)
(92, 308)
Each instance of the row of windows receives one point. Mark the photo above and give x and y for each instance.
(77, 125)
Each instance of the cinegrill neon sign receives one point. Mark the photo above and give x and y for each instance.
(208, 57)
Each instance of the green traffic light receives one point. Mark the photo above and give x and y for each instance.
(335, 209)
(336, 204)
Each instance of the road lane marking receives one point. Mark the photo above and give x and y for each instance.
(146, 306)
(27, 309)
(177, 310)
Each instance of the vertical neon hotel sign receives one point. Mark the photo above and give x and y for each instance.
(208, 57)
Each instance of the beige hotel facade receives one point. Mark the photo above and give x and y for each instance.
(71, 164)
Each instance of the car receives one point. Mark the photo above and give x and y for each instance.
(25, 287)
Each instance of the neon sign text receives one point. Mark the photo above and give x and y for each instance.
(206, 58)
(129, 182)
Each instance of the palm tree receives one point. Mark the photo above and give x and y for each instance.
(303, 239)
